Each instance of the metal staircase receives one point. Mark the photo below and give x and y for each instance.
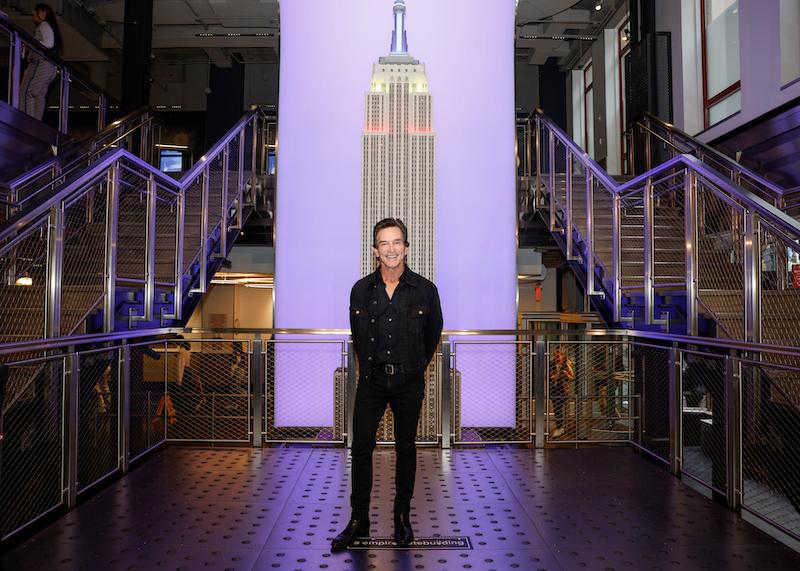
(117, 244)
(695, 245)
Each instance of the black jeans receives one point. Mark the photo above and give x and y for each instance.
(404, 394)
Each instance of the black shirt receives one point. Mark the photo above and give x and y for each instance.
(413, 319)
(389, 348)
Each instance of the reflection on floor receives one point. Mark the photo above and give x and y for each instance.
(240, 508)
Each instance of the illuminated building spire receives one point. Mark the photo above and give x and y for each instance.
(399, 41)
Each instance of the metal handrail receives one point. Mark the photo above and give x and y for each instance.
(709, 150)
(59, 343)
(23, 219)
(91, 147)
(587, 161)
(765, 209)
(756, 218)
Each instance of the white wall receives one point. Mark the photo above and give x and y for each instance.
(763, 89)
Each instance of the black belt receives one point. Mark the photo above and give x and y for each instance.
(390, 369)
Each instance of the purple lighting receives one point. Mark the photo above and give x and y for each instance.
(318, 214)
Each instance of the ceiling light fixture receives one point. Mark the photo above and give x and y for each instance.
(598, 5)
(24, 280)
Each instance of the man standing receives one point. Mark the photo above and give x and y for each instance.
(396, 322)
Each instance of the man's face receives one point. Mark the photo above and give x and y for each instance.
(390, 247)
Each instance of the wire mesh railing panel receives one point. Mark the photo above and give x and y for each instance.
(30, 454)
(192, 222)
(780, 289)
(208, 390)
(132, 225)
(301, 388)
(650, 377)
(23, 266)
(770, 444)
(149, 409)
(166, 219)
(703, 418)
(720, 273)
(589, 392)
(492, 392)
(234, 170)
(98, 416)
(579, 202)
(84, 256)
(602, 224)
(632, 240)
(669, 244)
(215, 180)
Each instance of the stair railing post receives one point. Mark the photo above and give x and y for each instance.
(71, 386)
(204, 209)
(538, 142)
(240, 182)
(112, 212)
(54, 270)
(351, 385)
(552, 189)
(539, 381)
(616, 246)
(675, 410)
(733, 429)
(124, 431)
(589, 239)
(691, 239)
(63, 103)
(177, 295)
(568, 188)
(223, 224)
(257, 390)
(649, 278)
(15, 73)
(102, 110)
(150, 254)
(446, 394)
(752, 276)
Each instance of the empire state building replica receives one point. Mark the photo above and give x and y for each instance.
(397, 175)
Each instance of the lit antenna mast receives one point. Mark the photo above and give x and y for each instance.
(399, 42)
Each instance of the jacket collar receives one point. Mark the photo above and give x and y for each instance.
(407, 277)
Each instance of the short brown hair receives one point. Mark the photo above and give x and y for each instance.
(389, 223)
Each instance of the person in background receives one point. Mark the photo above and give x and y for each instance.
(40, 71)
(561, 376)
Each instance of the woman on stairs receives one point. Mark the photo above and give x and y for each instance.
(40, 72)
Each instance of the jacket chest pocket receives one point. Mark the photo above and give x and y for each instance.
(417, 317)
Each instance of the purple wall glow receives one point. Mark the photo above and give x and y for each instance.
(327, 53)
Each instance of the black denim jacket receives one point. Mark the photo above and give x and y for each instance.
(420, 315)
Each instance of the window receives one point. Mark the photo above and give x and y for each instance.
(624, 43)
(588, 108)
(719, 26)
(790, 40)
(170, 160)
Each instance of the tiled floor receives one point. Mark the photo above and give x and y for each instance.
(239, 508)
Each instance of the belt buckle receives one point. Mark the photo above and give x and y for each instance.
(389, 369)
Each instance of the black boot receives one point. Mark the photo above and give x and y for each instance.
(355, 528)
(403, 533)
